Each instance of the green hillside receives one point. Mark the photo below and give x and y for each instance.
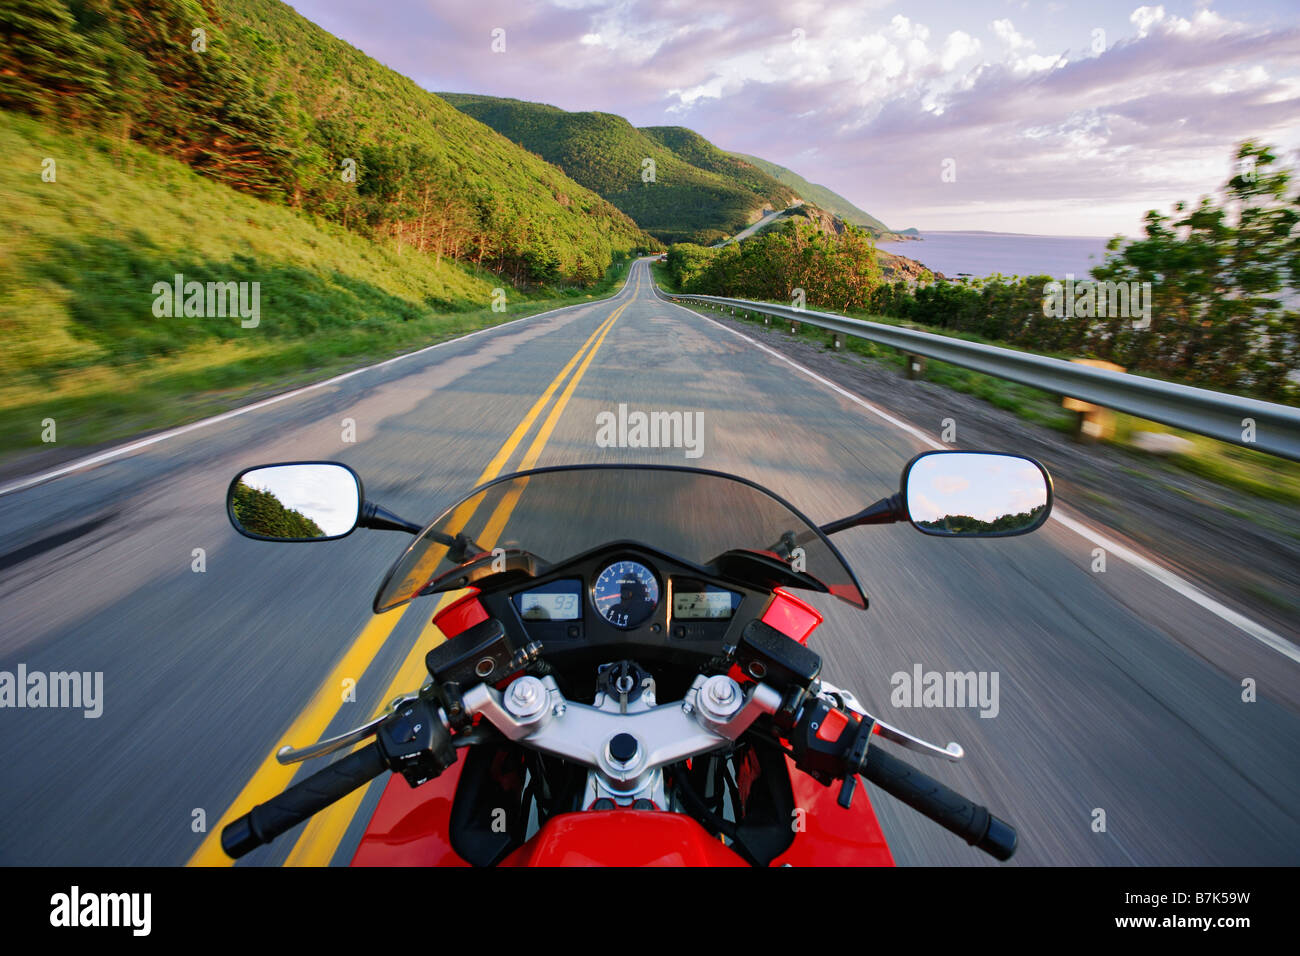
(817, 195)
(80, 255)
(699, 152)
(278, 108)
(699, 193)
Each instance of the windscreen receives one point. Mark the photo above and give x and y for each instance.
(558, 513)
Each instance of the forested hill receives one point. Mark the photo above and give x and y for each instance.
(698, 194)
(821, 196)
(251, 94)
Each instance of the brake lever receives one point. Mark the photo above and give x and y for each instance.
(952, 752)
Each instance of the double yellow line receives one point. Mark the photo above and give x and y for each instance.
(320, 839)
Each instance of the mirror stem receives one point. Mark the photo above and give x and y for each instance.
(374, 516)
(884, 511)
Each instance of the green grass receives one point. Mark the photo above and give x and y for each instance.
(79, 257)
(1234, 466)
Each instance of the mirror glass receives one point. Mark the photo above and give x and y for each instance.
(307, 502)
(976, 494)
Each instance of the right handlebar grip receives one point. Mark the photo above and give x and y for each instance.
(266, 821)
(970, 821)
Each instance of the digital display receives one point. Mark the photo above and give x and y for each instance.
(535, 606)
(702, 605)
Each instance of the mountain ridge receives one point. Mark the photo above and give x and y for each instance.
(674, 183)
(822, 196)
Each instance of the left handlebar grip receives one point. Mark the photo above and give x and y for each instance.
(266, 821)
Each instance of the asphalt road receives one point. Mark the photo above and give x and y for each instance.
(1114, 694)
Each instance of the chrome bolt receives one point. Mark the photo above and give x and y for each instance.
(526, 698)
(722, 692)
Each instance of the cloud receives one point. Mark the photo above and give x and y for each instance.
(950, 484)
(1045, 137)
(1006, 32)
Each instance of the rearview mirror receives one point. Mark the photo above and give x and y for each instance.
(976, 494)
(301, 501)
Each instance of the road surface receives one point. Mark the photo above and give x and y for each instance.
(216, 649)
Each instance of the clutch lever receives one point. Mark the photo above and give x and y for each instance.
(845, 699)
(289, 755)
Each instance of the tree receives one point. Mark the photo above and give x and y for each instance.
(1219, 272)
(46, 67)
(262, 513)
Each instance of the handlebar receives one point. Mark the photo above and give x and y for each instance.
(266, 821)
(970, 821)
(420, 747)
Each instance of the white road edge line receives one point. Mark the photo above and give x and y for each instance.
(90, 461)
(1166, 577)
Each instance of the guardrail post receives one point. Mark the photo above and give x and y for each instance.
(1092, 423)
(837, 340)
(915, 365)
(767, 320)
(794, 327)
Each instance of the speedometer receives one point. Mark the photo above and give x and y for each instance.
(625, 594)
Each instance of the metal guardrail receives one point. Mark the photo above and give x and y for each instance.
(1276, 428)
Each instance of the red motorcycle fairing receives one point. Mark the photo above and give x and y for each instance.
(410, 827)
(833, 836)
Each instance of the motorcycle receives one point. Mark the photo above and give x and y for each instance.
(626, 677)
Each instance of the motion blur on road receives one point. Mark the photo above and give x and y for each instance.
(1118, 735)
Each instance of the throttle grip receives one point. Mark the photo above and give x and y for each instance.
(970, 821)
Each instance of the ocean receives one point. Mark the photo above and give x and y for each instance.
(982, 254)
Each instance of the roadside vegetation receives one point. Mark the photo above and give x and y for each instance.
(1222, 275)
(83, 346)
(1232, 466)
(251, 95)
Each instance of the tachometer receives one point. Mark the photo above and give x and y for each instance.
(625, 594)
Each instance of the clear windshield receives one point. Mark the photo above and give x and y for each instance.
(559, 513)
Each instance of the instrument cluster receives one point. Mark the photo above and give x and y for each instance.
(629, 599)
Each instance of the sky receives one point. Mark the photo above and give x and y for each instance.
(981, 486)
(1046, 118)
(325, 493)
